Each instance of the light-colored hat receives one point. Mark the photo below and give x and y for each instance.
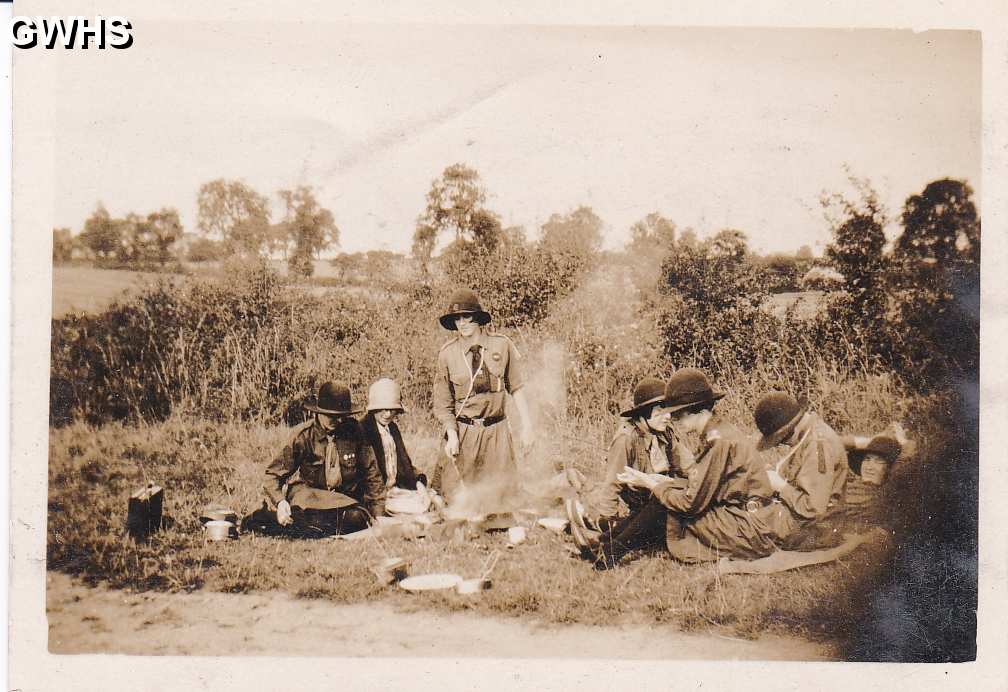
(384, 394)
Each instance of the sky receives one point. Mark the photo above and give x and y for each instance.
(713, 128)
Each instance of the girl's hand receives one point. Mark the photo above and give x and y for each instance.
(777, 481)
(635, 479)
(451, 447)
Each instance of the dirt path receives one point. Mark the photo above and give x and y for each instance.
(97, 620)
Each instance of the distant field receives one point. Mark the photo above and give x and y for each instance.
(87, 289)
(805, 303)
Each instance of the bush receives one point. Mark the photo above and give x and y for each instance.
(244, 349)
(710, 312)
(517, 285)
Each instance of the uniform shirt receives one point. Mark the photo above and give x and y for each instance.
(634, 445)
(305, 454)
(722, 473)
(816, 471)
(458, 393)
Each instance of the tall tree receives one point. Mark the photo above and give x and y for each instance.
(941, 229)
(312, 228)
(936, 275)
(235, 213)
(455, 205)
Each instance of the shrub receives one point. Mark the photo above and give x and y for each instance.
(517, 285)
(242, 349)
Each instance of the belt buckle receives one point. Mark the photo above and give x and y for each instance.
(752, 505)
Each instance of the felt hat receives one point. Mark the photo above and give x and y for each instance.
(689, 387)
(463, 302)
(648, 392)
(333, 400)
(384, 395)
(776, 416)
(884, 446)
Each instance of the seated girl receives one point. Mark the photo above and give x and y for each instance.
(645, 442)
(400, 476)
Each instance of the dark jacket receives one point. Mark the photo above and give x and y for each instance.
(407, 474)
(305, 454)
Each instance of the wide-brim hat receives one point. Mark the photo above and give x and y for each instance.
(384, 395)
(777, 414)
(463, 302)
(648, 392)
(883, 446)
(689, 387)
(333, 400)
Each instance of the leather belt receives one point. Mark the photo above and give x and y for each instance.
(480, 422)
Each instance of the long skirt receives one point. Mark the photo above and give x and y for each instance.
(729, 531)
(486, 458)
(318, 512)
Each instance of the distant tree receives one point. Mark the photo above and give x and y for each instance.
(344, 263)
(156, 235)
(102, 235)
(378, 265)
(729, 244)
(578, 233)
(653, 232)
(63, 245)
(513, 237)
(804, 253)
(455, 205)
(235, 213)
(312, 228)
(279, 239)
(205, 250)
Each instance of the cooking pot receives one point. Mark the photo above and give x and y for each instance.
(218, 530)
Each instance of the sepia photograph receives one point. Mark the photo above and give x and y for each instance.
(506, 341)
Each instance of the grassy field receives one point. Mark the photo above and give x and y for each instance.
(92, 473)
(584, 357)
(89, 289)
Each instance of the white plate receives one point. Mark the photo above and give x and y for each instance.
(553, 523)
(430, 582)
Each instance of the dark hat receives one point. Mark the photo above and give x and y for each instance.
(333, 400)
(463, 302)
(648, 391)
(688, 387)
(881, 445)
(776, 416)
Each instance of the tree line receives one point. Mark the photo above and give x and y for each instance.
(232, 219)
